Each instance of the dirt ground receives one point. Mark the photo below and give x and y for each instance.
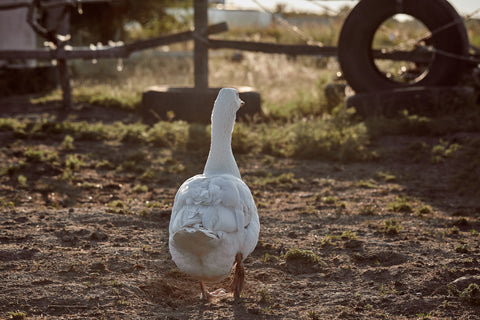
(369, 240)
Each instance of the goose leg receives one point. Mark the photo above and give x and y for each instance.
(239, 277)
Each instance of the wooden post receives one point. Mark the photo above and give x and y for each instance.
(200, 54)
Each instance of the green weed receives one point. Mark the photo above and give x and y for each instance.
(22, 180)
(118, 206)
(4, 203)
(423, 316)
(16, 315)
(329, 200)
(425, 209)
(369, 210)
(313, 315)
(306, 256)
(401, 204)
(349, 235)
(67, 143)
(385, 176)
(140, 188)
(105, 165)
(390, 227)
(329, 240)
(369, 184)
(73, 162)
(265, 296)
(471, 294)
(462, 248)
(443, 150)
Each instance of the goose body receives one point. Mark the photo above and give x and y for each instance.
(214, 223)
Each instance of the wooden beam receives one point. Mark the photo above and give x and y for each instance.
(200, 54)
(122, 51)
(268, 47)
(326, 51)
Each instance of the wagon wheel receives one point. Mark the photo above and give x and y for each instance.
(360, 46)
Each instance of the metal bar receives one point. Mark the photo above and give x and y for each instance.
(200, 54)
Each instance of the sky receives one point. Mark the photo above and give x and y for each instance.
(464, 7)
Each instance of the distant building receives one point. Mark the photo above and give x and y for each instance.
(240, 18)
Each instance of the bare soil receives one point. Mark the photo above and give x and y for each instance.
(66, 254)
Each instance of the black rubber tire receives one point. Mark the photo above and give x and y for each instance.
(358, 31)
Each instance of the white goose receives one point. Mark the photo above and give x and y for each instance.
(214, 222)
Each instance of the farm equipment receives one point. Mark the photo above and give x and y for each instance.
(438, 60)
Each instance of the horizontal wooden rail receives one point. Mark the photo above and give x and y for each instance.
(121, 51)
(327, 51)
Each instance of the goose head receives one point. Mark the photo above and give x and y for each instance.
(226, 106)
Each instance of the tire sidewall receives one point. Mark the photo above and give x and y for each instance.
(357, 34)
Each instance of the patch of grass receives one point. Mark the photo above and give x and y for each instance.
(119, 207)
(284, 179)
(308, 210)
(313, 315)
(369, 210)
(140, 188)
(168, 134)
(22, 180)
(423, 316)
(443, 150)
(390, 227)
(265, 296)
(4, 203)
(16, 315)
(385, 176)
(105, 165)
(73, 162)
(34, 155)
(462, 248)
(306, 256)
(366, 184)
(454, 230)
(471, 294)
(67, 143)
(337, 137)
(329, 240)
(349, 235)
(329, 200)
(401, 204)
(97, 94)
(154, 204)
(387, 289)
(425, 209)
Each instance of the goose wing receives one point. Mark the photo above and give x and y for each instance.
(220, 204)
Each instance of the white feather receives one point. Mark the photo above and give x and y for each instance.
(214, 216)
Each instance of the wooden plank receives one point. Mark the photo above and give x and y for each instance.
(200, 53)
(398, 55)
(268, 47)
(326, 51)
(122, 51)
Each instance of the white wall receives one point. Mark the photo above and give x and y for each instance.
(15, 33)
(240, 18)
